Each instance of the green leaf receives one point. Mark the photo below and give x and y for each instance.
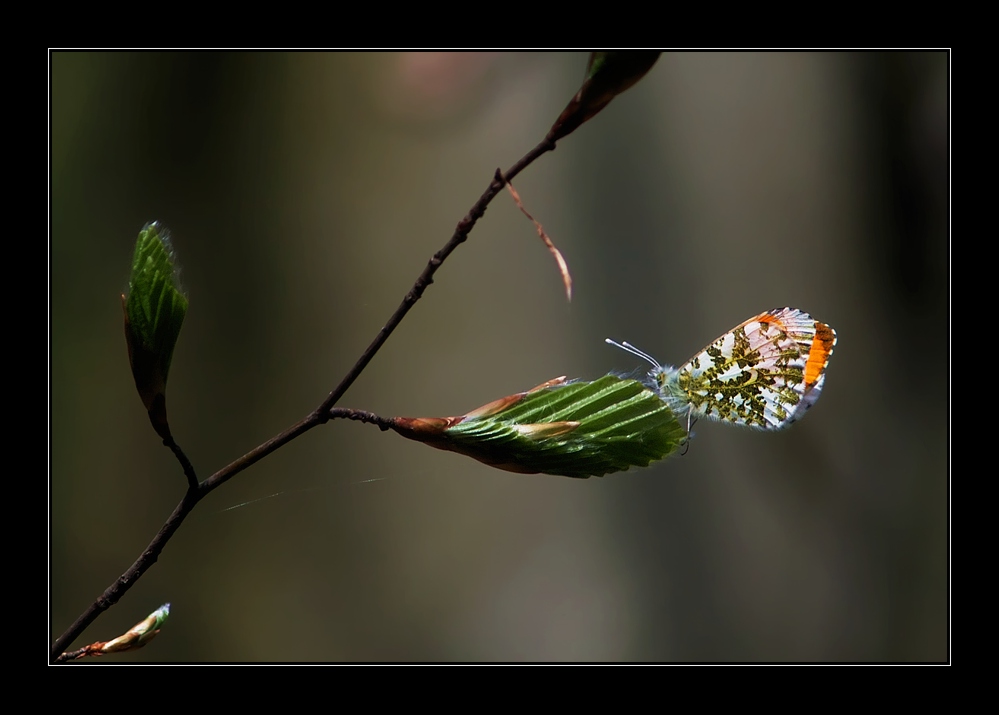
(139, 635)
(154, 309)
(575, 429)
(608, 74)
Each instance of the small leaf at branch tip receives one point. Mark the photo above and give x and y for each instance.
(608, 74)
(136, 637)
(154, 310)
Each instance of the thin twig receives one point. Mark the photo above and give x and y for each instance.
(370, 418)
(196, 492)
(124, 582)
(185, 463)
(427, 277)
(72, 655)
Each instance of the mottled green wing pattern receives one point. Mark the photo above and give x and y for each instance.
(764, 373)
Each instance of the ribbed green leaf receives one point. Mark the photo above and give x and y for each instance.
(155, 305)
(580, 429)
(154, 312)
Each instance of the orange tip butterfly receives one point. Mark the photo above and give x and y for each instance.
(764, 373)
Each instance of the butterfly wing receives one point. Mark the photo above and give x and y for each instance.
(764, 373)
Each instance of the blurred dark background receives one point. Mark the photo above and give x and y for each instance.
(305, 192)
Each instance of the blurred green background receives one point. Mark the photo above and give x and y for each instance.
(305, 192)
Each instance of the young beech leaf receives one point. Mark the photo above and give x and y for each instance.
(572, 429)
(154, 311)
(140, 634)
(607, 75)
(136, 637)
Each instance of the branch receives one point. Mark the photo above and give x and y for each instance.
(322, 414)
(427, 277)
(185, 463)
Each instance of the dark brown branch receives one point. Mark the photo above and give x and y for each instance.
(427, 277)
(72, 655)
(370, 418)
(196, 492)
(116, 590)
(185, 463)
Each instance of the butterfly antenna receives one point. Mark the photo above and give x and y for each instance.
(629, 348)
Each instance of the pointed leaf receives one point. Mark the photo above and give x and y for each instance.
(154, 310)
(136, 637)
(576, 429)
(139, 634)
(608, 74)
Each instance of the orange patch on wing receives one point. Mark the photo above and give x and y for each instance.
(818, 354)
(767, 318)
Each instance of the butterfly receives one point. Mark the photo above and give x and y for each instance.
(764, 373)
